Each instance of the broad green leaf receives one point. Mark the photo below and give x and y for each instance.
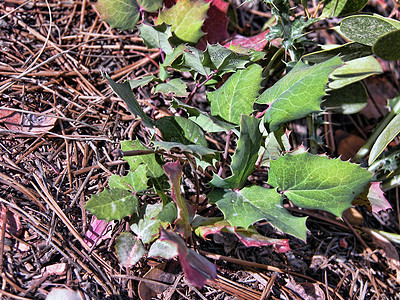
(113, 204)
(346, 52)
(174, 173)
(387, 135)
(207, 122)
(150, 5)
(174, 86)
(225, 60)
(170, 59)
(353, 71)
(298, 93)
(181, 130)
(164, 249)
(251, 204)
(135, 180)
(156, 37)
(142, 81)
(340, 8)
(237, 95)
(194, 59)
(365, 29)
(245, 157)
(347, 100)
(129, 249)
(198, 150)
(122, 14)
(153, 168)
(318, 182)
(387, 46)
(124, 91)
(186, 18)
(168, 213)
(147, 229)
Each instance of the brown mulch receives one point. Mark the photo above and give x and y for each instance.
(56, 152)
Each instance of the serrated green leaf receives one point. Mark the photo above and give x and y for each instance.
(194, 60)
(122, 14)
(276, 143)
(181, 130)
(207, 122)
(353, 71)
(175, 86)
(170, 59)
(225, 60)
(340, 8)
(129, 249)
(245, 157)
(113, 204)
(387, 135)
(124, 91)
(251, 204)
(365, 29)
(298, 93)
(156, 37)
(164, 249)
(318, 182)
(186, 18)
(142, 81)
(347, 100)
(346, 52)
(153, 168)
(237, 95)
(150, 5)
(387, 46)
(135, 180)
(147, 229)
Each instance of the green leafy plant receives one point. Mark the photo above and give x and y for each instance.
(234, 78)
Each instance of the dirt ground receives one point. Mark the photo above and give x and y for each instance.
(60, 122)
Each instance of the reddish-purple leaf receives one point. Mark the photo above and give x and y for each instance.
(169, 3)
(256, 42)
(249, 237)
(98, 230)
(174, 173)
(377, 198)
(216, 25)
(198, 270)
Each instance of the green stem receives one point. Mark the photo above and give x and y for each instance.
(312, 133)
(364, 150)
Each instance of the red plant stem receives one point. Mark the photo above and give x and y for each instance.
(199, 85)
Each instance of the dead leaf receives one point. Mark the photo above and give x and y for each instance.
(349, 146)
(13, 222)
(353, 216)
(56, 269)
(27, 122)
(159, 273)
(307, 290)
